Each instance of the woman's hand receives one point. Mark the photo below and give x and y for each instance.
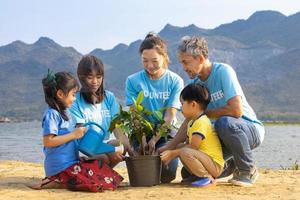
(150, 147)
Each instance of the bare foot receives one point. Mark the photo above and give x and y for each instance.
(46, 184)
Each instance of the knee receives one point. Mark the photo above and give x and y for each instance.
(184, 153)
(224, 126)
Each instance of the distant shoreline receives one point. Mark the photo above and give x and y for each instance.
(269, 123)
(266, 123)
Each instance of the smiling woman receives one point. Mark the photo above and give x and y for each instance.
(161, 88)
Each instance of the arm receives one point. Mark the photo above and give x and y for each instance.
(195, 142)
(168, 118)
(232, 94)
(124, 140)
(233, 108)
(179, 138)
(170, 114)
(53, 140)
(169, 155)
(119, 134)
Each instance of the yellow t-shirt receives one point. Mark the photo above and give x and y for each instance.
(210, 143)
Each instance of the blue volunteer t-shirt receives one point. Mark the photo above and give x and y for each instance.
(160, 93)
(63, 156)
(223, 84)
(101, 113)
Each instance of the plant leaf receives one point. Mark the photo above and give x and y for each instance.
(147, 112)
(159, 115)
(134, 102)
(140, 97)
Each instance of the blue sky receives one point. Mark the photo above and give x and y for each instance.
(90, 24)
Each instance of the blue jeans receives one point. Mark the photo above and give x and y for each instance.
(238, 138)
(168, 172)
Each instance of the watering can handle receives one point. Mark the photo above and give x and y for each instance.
(94, 123)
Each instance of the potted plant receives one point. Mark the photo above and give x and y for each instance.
(143, 169)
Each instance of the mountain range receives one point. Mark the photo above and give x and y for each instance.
(263, 49)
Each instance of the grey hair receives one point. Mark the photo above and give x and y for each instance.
(194, 46)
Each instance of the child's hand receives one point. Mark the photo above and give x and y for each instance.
(79, 132)
(115, 158)
(167, 156)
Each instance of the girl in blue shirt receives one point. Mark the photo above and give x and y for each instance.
(161, 89)
(95, 104)
(63, 167)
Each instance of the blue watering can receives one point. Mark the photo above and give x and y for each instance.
(92, 142)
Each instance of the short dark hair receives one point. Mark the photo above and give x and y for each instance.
(63, 81)
(153, 41)
(196, 92)
(88, 65)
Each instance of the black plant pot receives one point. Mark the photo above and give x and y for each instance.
(144, 170)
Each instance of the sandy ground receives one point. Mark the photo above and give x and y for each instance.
(279, 184)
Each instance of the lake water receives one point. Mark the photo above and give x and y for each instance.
(23, 141)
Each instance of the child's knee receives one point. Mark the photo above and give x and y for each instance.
(185, 151)
(185, 154)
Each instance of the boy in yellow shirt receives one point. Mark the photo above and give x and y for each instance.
(202, 154)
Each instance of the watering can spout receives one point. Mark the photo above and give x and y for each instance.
(92, 143)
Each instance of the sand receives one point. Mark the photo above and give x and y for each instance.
(272, 184)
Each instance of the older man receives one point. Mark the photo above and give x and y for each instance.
(234, 120)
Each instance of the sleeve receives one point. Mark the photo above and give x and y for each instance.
(230, 84)
(174, 100)
(199, 128)
(76, 113)
(114, 105)
(130, 93)
(50, 123)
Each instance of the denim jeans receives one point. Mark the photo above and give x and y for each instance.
(168, 172)
(238, 138)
